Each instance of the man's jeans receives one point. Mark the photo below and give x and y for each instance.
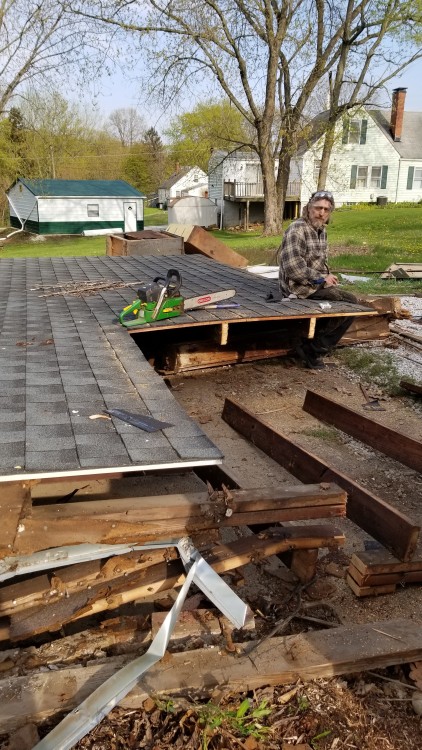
(329, 331)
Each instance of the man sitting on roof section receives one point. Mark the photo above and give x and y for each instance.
(304, 273)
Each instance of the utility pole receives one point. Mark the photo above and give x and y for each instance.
(53, 166)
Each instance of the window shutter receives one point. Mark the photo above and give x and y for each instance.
(410, 178)
(345, 138)
(384, 177)
(363, 129)
(353, 175)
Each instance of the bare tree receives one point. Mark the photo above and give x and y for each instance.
(40, 42)
(127, 124)
(268, 56)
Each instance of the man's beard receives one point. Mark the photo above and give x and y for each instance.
(317, 223)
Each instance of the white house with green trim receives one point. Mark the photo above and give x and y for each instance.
(377, 156)
(75, 206)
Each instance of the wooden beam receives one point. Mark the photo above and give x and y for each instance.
(278, 661)
(311, 329)
(62, 582)
(395, 444)
(140, 520)
(15, 502)
(197, 355)
(74, 593)
(380, 561)
(366, 329)
(393, 529)
(412, 387)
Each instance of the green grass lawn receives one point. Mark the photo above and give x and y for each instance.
(51, 247)
(363, 240)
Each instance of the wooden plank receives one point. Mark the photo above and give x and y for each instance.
(369, 590)
(395, 444)
(198, 240)
(386, 524)
(381, 579)
(381, 561)
(139, 520)
(90, 596)
(366, 329)
(15, 502)
(406, 334)
(412, 387)
(52, 586)
(278, 661)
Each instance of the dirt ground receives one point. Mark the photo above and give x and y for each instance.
(275, 390)
(362, 711)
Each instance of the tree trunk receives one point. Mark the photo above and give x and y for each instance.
(326, 154)
(272, 217)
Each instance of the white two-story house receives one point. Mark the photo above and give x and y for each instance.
(377, 157)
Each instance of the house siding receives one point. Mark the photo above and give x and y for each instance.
(404, 193)
(25, 203)
(376, 151)
(76, 209)
(194, 182)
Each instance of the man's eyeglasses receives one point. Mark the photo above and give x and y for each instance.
(323, 194)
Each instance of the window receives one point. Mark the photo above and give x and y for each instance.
(376, 174)
(93, 210)
(195, 177)
(317, 167)
(377, 177)
(354, 131)
(362, 177)
(417, 179)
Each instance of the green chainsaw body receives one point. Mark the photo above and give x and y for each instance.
(143, 312)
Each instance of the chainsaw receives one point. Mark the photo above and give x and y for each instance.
(161, 299)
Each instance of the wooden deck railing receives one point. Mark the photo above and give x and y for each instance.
(234, 189)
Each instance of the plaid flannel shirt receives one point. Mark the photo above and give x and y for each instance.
(303, 259)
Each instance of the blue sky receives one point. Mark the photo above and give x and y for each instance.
(120, 90)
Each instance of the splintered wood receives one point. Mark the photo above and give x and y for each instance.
(141, 520)
(46, 602)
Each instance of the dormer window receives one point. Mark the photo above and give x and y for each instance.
(354, 130)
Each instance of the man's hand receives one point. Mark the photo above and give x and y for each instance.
(331, 280)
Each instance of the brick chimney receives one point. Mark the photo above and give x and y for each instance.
(397, 111)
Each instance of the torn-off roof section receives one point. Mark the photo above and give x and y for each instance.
(82, 188)
(410, 145)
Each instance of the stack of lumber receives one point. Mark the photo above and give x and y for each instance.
(377, 572)
(45, 602)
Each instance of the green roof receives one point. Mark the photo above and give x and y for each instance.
(82, 188)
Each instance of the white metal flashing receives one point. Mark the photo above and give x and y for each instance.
(75, 473)
(84, 718)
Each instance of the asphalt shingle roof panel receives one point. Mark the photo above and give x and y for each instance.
(77, 358)
(64, 359)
